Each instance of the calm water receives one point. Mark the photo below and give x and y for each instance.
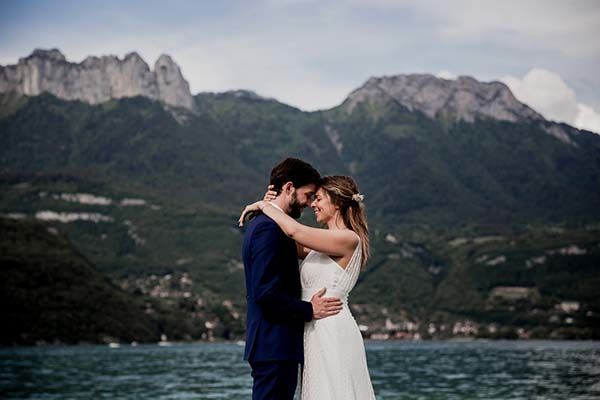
(399, 370)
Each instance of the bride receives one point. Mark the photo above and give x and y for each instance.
(335, 364)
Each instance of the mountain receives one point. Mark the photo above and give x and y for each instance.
(51, 292)
(464, 98)
(97, 79)
(463, 151)
(483, 215)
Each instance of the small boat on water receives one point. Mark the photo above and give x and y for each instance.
(164, 341)
(114, 345)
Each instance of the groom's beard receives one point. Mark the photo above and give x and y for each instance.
(295, 207)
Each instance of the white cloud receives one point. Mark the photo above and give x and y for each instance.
(445, 75)
(588, 118)
(547, 93)
(555, 24)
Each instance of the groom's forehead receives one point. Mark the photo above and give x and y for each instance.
(311, 188)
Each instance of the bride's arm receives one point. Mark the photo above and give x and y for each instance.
(271, 195)
(333, 242)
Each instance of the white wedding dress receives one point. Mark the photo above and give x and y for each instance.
(335, 363)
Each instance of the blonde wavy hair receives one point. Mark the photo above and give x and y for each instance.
(343, 192)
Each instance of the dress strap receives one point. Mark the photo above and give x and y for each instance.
(356, 250)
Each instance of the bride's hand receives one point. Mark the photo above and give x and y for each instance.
(250, 208)
(271, 194)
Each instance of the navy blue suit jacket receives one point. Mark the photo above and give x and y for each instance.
(276, 315)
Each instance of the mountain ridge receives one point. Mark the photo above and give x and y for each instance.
(461, 99)
(97, 79)
(466, 97)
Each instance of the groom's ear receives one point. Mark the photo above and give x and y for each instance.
(287, 187)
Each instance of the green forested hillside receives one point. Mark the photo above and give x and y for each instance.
(51, 291)
(489, 172)
(479, 229)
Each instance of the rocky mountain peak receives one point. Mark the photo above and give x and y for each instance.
(97, 79)
(465, 98)
(172, 87)
(51, 54)
(164, 60)
(134, 56)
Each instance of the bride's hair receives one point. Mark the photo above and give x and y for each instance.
(343, 192)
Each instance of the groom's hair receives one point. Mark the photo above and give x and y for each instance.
(299, 172)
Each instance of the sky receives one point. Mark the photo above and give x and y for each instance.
(312, 53)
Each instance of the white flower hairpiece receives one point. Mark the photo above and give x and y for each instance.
(358, 197)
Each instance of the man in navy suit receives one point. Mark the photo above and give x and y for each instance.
(276, 315)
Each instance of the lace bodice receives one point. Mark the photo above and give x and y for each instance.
(318, 270)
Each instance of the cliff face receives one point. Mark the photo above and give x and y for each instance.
(97, 79)
(465, 98)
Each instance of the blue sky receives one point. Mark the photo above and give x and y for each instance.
(311, 53)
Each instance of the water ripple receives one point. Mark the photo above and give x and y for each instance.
(399, 370)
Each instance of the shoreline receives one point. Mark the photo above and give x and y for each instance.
(241, 343)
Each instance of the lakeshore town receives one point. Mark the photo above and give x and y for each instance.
(226, 322)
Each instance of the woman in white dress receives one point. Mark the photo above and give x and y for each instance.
(335, 364)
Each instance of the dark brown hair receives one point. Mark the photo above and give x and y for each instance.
(299, 172)
(342, 191)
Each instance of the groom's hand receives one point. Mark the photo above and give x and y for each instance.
(325, 306)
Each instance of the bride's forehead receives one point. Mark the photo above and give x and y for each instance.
(321, 192)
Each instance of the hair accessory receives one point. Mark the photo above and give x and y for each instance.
(358, 197)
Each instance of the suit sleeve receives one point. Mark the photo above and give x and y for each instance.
(266, 265)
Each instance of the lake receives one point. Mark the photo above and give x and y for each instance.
(399, 370)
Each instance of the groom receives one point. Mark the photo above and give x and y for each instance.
(276, 315)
